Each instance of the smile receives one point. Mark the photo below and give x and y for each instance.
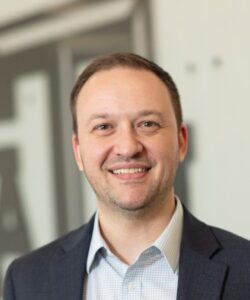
(129, 171)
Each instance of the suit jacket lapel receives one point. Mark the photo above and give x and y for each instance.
(67, 273)
(200, 277)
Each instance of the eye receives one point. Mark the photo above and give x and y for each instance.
(103, 129)
(149, 126)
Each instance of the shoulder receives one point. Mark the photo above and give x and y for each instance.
(227, 237)
(37, 263)
(218, 260)
(51, 251)
(232, 245)
(213, 241)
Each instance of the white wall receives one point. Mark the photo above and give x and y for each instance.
(205, 45)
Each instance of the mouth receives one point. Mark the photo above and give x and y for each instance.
(130, 173)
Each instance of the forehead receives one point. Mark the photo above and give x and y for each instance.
(124, 89)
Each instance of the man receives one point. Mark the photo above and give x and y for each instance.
(129, 139)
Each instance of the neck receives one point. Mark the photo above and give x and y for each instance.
(120, 231)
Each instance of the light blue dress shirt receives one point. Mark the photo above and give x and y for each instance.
(154, 275)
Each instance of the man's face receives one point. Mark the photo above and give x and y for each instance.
(128, 143)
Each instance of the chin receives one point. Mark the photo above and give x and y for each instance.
(133, 206)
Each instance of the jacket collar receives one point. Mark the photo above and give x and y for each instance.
(68, 271)
(200, 276)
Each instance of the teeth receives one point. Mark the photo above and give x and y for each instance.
(129, 171)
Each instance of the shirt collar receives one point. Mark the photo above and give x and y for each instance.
(168, 242)
(170, 239)
(96, 244)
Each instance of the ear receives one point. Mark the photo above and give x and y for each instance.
(77, 152)
(183, 142)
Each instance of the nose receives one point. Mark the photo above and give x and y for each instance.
(127, 143)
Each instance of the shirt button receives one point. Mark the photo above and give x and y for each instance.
(131, 286)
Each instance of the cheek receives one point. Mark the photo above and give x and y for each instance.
(93, 154)
(165, 152)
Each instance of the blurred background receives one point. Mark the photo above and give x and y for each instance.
(44, 44)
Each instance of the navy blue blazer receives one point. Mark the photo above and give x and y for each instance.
(214, 264)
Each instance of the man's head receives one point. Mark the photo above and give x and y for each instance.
(129, 138)
(129, 60)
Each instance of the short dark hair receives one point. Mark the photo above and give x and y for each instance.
(129, 60)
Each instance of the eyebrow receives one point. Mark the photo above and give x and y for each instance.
(142, 113)
(147, 112)
(98, 116)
